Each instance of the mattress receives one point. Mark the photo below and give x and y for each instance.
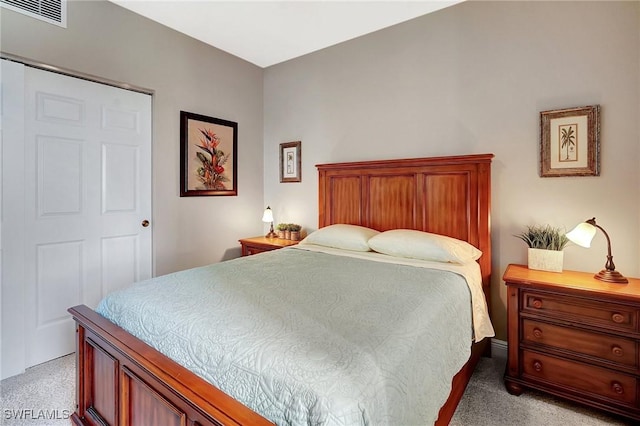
(310, 337)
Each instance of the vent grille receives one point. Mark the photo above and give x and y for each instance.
(52, 11)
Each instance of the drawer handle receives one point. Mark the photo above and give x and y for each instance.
(617, 350)
(537, 303)
(537, 365)
(537, 333)
(617, 318)
(617, 388)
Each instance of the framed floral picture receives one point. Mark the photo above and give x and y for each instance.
(570, 142)
(290, 162)
(208, 156)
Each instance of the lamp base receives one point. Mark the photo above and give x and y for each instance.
(611, 276)
(271, 234)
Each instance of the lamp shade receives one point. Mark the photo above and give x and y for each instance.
(582, 234)
(267, 216)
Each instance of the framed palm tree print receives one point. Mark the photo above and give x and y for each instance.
(570, 142)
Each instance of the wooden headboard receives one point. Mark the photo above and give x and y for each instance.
(443, 195)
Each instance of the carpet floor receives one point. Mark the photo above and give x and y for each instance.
(45, 394)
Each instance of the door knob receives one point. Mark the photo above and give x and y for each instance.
(145, 223)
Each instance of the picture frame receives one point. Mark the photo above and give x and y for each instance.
(208, 156)
(570, 142)
(291, 162)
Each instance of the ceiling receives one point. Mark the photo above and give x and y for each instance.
(269, 32)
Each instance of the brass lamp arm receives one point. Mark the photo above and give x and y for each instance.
(610, 266)
(609, 273)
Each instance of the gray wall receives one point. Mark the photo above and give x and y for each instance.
(473, 78)
(107, 41)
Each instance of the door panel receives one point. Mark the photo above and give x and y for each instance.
(119, 183)
(59, 172)
(119, 262)
(55, 286)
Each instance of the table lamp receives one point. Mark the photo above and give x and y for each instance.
(267, 217)
(582, 235)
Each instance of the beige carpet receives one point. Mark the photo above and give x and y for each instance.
(45, 394)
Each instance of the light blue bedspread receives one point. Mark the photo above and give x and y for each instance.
(307, 338)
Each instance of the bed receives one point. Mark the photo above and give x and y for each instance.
(123, 380)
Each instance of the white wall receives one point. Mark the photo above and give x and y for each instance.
(105, 40)
(473, 78)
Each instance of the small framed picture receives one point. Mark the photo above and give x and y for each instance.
(208, 156)
(290, 162)
(570, 142)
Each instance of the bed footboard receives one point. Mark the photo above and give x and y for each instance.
(123, 381)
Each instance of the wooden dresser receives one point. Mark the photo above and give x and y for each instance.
(575, 337)
(255, 245)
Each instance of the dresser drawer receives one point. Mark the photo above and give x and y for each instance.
(583, 378)
(606, 347)
(607, 315)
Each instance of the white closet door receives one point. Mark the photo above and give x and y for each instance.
(87, 190)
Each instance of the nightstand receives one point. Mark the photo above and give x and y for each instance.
(575, 337)
(257, 245)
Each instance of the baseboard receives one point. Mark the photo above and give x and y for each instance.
(498, 348)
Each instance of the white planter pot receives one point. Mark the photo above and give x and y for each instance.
(545, 260)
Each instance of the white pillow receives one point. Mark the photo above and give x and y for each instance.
(342, 236)
(424, 245)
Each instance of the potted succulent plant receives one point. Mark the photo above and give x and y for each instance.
(295, 231)
(545, 244)
(281, 228)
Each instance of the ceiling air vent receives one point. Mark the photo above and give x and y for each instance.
(52, 11)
